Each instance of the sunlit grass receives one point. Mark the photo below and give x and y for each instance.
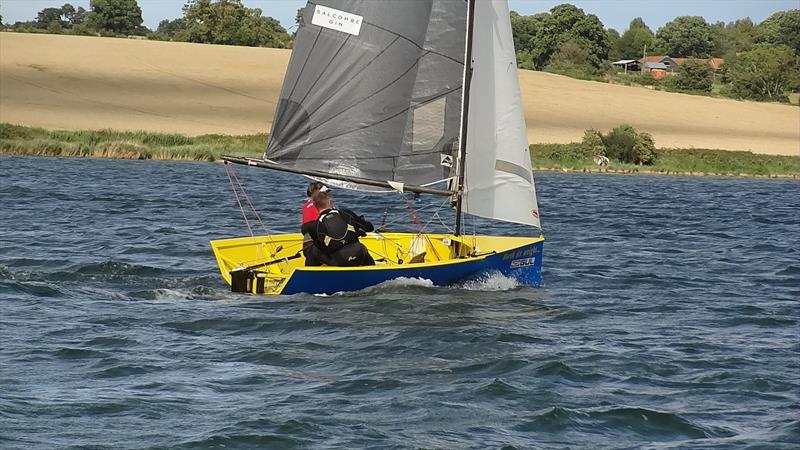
(20, 140)
(675, 161)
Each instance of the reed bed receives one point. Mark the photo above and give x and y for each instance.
(30, 141)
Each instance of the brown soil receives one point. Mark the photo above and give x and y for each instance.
(72, 82)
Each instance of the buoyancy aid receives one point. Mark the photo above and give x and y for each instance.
(334, 230)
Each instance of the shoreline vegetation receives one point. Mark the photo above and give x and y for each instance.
(30, 141)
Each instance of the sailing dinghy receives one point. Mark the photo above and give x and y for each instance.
(377, 96)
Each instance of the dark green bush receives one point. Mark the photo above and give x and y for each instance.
(620, 143)
(592, 143)
(695, 76)
(626, 145)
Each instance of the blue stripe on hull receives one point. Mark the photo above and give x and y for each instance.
(523, 264)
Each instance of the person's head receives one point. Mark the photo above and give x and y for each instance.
(314, 186)
(323, 199)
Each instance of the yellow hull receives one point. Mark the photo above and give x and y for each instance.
(275, 265)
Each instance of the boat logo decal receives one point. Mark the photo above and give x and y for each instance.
(517, 263)
(521, 253)
(337, 20)
(535, 213)
(446, 160)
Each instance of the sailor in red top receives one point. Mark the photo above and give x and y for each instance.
(310, 212)
(309, 225)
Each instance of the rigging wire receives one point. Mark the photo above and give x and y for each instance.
(232, 174)
(401, 216)
(232, 177)
(385, 215)
(228, 170)
(414, 217)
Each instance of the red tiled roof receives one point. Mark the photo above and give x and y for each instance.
(715, 63)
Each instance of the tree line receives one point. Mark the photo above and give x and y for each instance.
(226, 22)
(762, 61)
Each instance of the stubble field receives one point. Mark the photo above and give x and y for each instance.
(89, 83)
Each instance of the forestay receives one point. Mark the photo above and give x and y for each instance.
(373, 90)
(498, 182)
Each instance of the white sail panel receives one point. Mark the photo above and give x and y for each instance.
(498, 182)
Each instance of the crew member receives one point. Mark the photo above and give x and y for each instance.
(338, 231)
(308, 226)
(310, 212)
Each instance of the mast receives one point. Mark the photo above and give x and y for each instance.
(462, 151)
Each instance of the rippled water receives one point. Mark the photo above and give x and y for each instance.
(669, 318)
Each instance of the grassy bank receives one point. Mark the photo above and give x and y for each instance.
(673, 161)
(19, 140)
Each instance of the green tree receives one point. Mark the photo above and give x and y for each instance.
(49, 16)
(627, 145)
(613, 44)
(531, 45)
(116, 16)
(764, 73)
(72, 15)
(644, 149)
(167, 29)
(686, 36)
(633, 42)
(538, 37)
(68, 13)
(638, 23)
(55, 28)
(733, 38)
(592, 143)
(572, 60)
(695, 76)
(619, 143)
(781, 28)
(229, 22)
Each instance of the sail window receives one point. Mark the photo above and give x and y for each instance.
(428, 125)
(514, 169)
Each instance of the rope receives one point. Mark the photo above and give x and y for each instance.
(385, 215)
(414, 216)
(399, 217)
(229, 171)
(437, 216)
(232, 174)
(231, 177)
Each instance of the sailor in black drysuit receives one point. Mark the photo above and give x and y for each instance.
(336, 237)
(338, 231)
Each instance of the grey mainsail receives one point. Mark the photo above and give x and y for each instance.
(374, 90)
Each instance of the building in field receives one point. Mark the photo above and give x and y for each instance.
(628, 65)
(672, 66)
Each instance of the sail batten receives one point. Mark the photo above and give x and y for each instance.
(499, 183)
(373, 90)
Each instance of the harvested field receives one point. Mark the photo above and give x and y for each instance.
(77, 83)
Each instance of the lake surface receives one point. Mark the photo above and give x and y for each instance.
(668, 319)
